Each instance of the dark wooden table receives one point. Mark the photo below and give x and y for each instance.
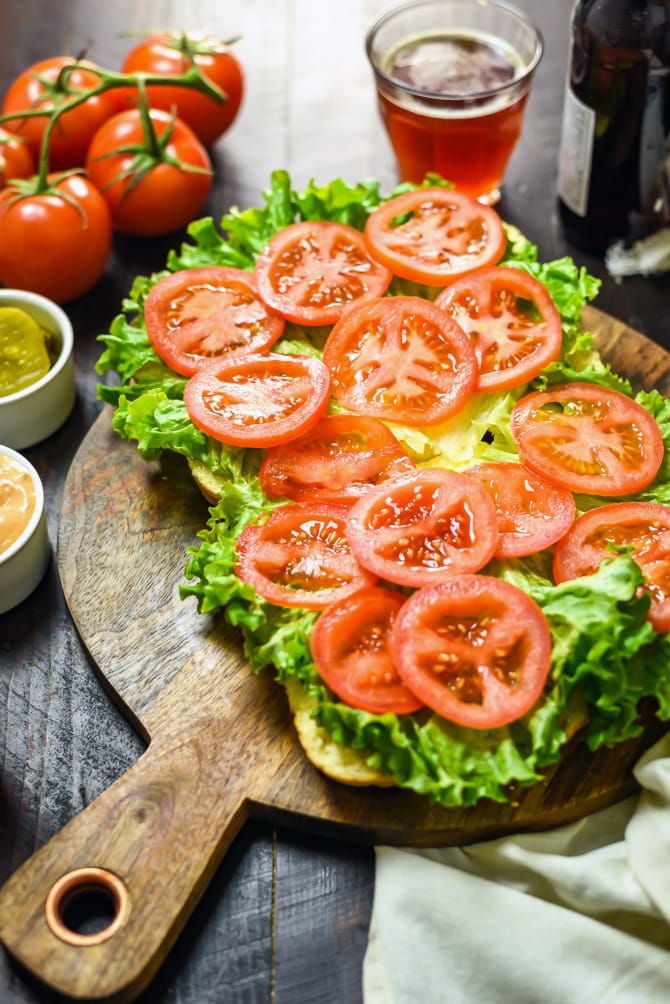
(285, 918)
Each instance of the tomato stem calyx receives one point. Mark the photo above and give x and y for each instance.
(194, 45)
(25, 188)
(149, 153)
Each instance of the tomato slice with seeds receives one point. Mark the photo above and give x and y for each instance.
(424, 527)
(336, 461)
(474, 648)
(588, 439)
(435, 235)
(258, 400)
(400, 359)
(301, 557)
(198, 316)
(512, 322)
(350, 645)
(310, 272)
(532, 513)
(643, 526)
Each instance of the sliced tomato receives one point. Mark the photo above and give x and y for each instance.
(474, 648)
(512, 322)
(336, 461)
(350, 645)
(301, 557)
(258, 400)
(435, 235)
(400, 359)
(588, 439)
(424, 527)
(532, 513)
(310, 272)
(202, 315)
(642, 526)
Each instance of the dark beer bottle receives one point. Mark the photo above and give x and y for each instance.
(614, 163)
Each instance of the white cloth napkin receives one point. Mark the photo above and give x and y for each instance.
(575, 915)
(648, 256)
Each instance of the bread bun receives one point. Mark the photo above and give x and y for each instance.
(208, 483)
(337, 762)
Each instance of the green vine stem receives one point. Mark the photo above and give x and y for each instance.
(109, 79)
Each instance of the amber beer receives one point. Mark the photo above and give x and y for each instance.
(452, 96)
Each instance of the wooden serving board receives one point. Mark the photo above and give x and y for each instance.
(222, 746)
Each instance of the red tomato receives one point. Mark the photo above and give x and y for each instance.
(435, 235)
(424, 527)
(402, 359)
(55, 244)
(532, 513)
(644, 526)
(311, 271)
(336, 461)
(173, 55)
(16, 160)
(258, 400)
(511, 321)
(300, 557)
(148, 201)
(350, 645)
(474, 648)
(41, 87)
(202, 315)
(588, 439)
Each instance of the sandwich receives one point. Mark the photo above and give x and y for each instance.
(598, 646)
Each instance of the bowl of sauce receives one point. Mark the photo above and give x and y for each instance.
(37, 382)
(24, 541)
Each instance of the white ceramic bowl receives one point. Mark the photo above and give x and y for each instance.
(34, 413)
(24, 562)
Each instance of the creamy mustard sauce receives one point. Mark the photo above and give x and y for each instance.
(17, 501)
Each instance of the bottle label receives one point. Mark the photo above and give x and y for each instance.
(574, 164)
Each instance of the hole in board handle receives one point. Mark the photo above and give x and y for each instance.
(86, 906)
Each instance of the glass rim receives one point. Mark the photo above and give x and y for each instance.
(451, 96)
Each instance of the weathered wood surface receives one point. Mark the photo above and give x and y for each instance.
(284, 917)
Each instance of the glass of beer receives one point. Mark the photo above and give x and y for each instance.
(453, 78)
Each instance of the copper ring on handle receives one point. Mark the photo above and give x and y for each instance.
(71, 885)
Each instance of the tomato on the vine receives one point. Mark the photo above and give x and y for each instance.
(642, 526)
(336, 461)
(350, 644)
(169, 54)
(511, 320)
(16, 160)
(56, 242)
(435, 235)
(474, 648)
(588, 439)
(44, 87)
(301, 557)
(198, 316)
(154, 184)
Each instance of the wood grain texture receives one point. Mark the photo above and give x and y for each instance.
(222, 747)
(284, 918)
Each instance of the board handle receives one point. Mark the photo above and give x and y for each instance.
(148, 846)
